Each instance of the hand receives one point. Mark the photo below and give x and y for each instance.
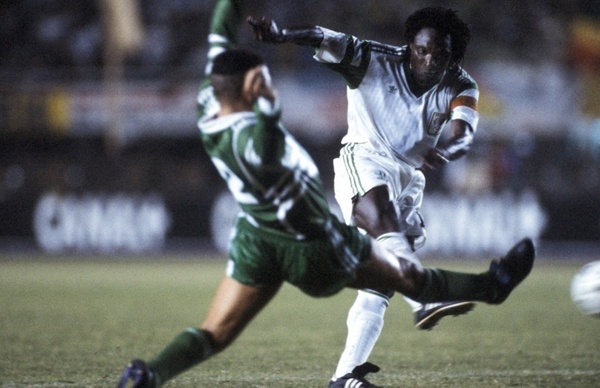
(435, 158)
(266, 30)
(257, 83)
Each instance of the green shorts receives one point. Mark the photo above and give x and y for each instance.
(319, 267)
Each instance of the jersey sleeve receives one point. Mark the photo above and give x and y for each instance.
(224, 27)
(269, 138)
(223, 35)
(345, 54)
(464, 105)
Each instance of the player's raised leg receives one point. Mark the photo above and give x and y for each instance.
(430, 285)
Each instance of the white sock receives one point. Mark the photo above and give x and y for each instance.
(397, 243)
(365, 322)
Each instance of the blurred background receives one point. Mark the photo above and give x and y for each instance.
(100, 154)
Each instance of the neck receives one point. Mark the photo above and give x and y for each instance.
(418, 88)
(415, 86)
(230, 107)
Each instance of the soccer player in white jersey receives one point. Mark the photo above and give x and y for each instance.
(400, 98)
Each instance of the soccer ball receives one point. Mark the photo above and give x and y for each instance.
(585, 289)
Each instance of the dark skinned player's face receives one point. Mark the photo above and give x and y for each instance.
(430, 54)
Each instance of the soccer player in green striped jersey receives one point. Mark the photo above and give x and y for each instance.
(285, 231)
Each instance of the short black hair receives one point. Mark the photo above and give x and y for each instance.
(236, 62)
(445, 21)
(229, 70)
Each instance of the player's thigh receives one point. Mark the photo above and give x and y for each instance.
(357, 170)
(375, 213)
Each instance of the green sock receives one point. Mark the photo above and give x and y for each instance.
(442, 285)
(187, 349)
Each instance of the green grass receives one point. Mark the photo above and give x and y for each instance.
(75, 323)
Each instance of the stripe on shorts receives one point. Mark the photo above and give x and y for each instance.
(351, 169)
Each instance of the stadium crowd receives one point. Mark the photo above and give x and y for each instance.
(67, 34)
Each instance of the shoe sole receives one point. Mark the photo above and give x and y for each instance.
(432, 319)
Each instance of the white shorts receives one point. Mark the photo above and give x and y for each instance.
(358, 169)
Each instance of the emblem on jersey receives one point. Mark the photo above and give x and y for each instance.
(436, 123)
(392, 89)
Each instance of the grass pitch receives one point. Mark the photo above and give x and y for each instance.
(75, 323)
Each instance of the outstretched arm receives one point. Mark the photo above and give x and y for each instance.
(226, 21)
(266, 30)
(343, 53)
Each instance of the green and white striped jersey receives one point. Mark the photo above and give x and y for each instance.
(382, 110)
(271, 176)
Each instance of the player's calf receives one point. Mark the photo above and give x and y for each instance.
(493, 286)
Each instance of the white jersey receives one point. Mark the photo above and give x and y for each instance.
(382, 110)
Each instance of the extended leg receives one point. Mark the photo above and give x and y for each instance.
(438, 285)
(233, 307)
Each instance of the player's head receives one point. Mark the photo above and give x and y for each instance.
(438, 34)
(229, 70)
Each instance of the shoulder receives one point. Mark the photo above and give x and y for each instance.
(384, 57)
(460, 79)
(462, 76)
(388, 49)
(206, 102)
(374, 47)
